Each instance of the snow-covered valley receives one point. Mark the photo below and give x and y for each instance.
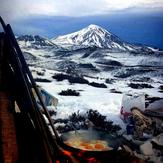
(105, 100)
(98, 57)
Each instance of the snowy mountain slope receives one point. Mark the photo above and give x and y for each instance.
(99, 57)
(37, 48)
(92, 35)
(34, 41)
(96, 36)
(101, 61)
(92, 50)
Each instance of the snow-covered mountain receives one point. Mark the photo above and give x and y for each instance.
(34, 41)
(96, 36)
(91, 36)
(90, 50)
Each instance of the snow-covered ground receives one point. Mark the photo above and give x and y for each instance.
(100, 99)
(103, 58)
(90, 98)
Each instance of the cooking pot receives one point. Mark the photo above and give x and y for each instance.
(88, 135)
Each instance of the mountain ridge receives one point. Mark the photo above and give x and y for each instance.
(35, 41)
(90, 36)
(122, 60)
(96, 36)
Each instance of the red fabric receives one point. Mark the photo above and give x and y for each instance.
(125, 114)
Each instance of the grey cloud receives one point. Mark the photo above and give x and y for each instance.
(17, 9)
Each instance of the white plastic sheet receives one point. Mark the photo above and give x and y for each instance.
(130, 101)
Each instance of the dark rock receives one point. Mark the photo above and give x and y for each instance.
(124, 73)
(109, 81)
(42, 80)
(69, 92)
(89, 52)
(140, 85)
(115, 91)
(71, 79)
(98, 85)
(110, 62)
(29, 56)
(35, 40)
(87, 65)
(153, 99)
(52, 112)
(161, 88)
(142, 79)
(40, 73)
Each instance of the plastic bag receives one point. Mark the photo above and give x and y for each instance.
(129, 102)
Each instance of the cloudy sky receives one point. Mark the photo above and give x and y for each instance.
(17, 9)
(57, 17)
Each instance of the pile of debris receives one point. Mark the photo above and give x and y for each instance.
(144, 130)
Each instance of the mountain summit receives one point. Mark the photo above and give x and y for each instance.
(93, 35)
(96, 36)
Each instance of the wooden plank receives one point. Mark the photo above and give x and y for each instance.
(1, 56)
(7, 131)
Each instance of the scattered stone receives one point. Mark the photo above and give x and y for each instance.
(115, 91)
(110, 63)
(146, 149)
(158, 140)
(69, 92)
(71, 79)
(98, 85)
(140, 85)
(40, 73)
(128, 72)
(161, 88)
(87, 65)
(153, 99)
(141, 79)
(146, 96)
(109, 81)
(42, 80)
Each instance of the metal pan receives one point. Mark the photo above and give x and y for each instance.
(88, 135)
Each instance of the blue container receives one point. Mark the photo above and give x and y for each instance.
(130, 129)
